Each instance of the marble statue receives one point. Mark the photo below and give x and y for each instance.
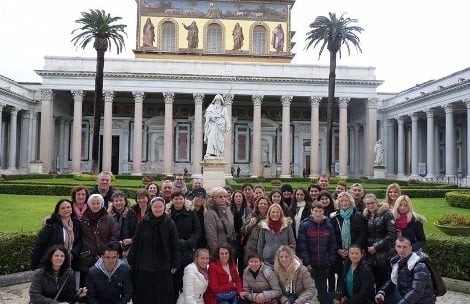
(379, 153)
(216, 124)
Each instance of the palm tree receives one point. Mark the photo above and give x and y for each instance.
(99, 27)
(332, 32)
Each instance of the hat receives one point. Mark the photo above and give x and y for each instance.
(199, 192)
(287, 187)
(157, 198)
(228, 188)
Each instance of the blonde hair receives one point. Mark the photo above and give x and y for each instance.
(407, 200)
(348, 195)
(390, 187)
(272, 207)
(215, 192)
(285, 275)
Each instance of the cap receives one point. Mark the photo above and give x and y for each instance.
(228, 188)
(199, 192)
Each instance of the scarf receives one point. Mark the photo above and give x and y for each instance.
(79, 211)
(95, 216)
(275, 225)
(69, 237)
(158, 236)
(346, 226)
(401, 221)
(203, 271)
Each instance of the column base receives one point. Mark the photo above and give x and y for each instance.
(213, 173)
(379, 172)
(285, 176)
(136, 174)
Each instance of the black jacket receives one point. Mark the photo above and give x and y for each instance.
(45, 286)
(415, 233)
(363, 284)
(53, 234)
(358, 228)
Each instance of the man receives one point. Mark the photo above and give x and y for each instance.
(103, 187)
(316, 246)
(324, 182)
(109, 280)
(410, 281)
(167, 190)
(179, 183)
(199, 205)
(196, 183)
(287, 191)
(340, 187)
(357, 192)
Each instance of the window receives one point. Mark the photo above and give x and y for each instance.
(168, 37)
(242, 144)
(259, 40)
(182, 143)
(214, 38)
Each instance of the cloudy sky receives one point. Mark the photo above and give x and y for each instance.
(409, 42)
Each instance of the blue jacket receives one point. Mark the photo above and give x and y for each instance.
(316, 243)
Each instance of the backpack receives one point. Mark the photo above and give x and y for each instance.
(438, 285)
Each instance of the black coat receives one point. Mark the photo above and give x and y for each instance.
(44, 287)
(358, 228)
(53, 234)
(363, 284)
(415, 233)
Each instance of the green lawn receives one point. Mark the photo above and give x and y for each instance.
(25, 212)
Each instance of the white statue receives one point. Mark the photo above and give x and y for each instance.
(379, 153)
(217, 123)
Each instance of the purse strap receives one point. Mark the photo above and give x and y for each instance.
(62, 287)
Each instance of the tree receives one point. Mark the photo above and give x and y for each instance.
(99, 27)
(332, 32)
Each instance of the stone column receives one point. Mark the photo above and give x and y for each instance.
(343, 136)
(371, 136)
(286, 137)
(450, 142)
(169, 98)
(1, 134)
(198, 140)
(34, 132)
(414, 145)
(47, 130)
(314, 136)
(389, 157)
(12, 139)
(61, 152)
(77, 130)
(467, 103)
(256, 153)
(357, 150)
(137, 149)
(107, 130)
(401, 147)
(430, 171)
(228, 98)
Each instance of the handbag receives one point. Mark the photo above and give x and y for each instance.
(227, 296)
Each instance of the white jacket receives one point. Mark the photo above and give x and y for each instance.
(194, 286)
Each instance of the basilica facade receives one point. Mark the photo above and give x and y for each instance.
(185, 54)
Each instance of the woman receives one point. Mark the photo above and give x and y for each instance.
(142, 207)
(154, 256)
(356, 285)
(80, 196)
(381, 234)
(275, 230)
(391, 194)
(223, 277)
(152, 190)
(189, 232)
(200, 207)
(241, 212)
(408, 223)
(195, 279)
(313, 191)
(248, 191)
(300, 208)
(218, 220)
(324, 197)
(250, 230)
(260, 284)
(296, 284)
(62, 228)
(98, 228)
(123, 215)
(54, 282)
(275, 197)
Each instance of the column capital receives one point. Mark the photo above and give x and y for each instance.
(14, 110)
(77, 95)
(26, 114)
(344, 101)
(430, 113)
(448, 108)
(257, 99)
(467, 102)
(169, 97)
(2, 104)
(286, 100)
(138, 96)
(228, 99)
(401, 120)
(46, 94)
(414, 116)
(315, 101)
(198, 98)
(389, 122)
(108, 96)
(372, 103)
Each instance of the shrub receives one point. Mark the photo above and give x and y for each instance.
(459, 199)
(15, 251)
(454, 219)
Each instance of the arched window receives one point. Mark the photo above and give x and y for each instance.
(259, 40)
(214, 38)
(168, 37)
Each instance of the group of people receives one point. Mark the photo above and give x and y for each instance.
(180, 245)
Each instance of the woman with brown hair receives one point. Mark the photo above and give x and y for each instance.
(250, 230)
(80, 196)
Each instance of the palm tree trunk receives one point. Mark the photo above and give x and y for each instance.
(329, 112)
(98, 110)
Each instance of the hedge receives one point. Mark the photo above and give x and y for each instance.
(459, 199)
(41, 189)
(450, 254)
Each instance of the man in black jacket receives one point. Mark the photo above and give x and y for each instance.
(109, 280)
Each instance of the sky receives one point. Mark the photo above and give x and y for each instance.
(408, 42)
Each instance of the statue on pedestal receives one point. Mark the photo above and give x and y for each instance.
(216, 124)
(379, 153)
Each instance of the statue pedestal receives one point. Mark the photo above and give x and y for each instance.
(213, 173)
(379, 172)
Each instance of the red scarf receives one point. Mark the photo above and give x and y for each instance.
(275, 225)
(401, 221)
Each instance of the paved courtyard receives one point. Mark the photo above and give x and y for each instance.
(18, 294)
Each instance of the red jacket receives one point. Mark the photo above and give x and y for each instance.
(219, 281)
